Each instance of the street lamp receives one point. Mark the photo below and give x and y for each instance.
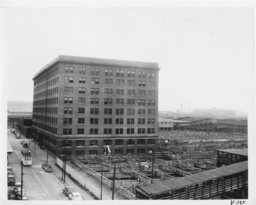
(152, 171)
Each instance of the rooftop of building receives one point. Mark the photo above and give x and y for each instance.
(174, 184)
(243, 152)
(99, 61)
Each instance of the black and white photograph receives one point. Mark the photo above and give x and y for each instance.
(128, 103)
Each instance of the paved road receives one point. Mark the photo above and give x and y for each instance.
(38, 184)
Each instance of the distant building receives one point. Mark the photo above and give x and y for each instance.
(92, 106)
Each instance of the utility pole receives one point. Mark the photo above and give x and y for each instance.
(21, 191)
(101, 180)
(113, 184)
(152, 171)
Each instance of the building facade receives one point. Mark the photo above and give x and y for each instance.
(86, 106)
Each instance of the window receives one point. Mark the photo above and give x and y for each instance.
(81, 90)
(95, 91)
(141, 121)
(142, 75)
(119, 131)
(151, 102)
(69, 79)
(130, 131)
(131, 92)
(93, 143)
(95, 71)
(94, 101)
(108, 111)
(141, 83)
(108, 101)
(130, 151)
(93, 131)
(151, 111)
(141, 111)
(68, 100)
(81, 100)
(131, 82)
(119, 142)
(151, 83)
(68, 110)
(120, 73)
(68, 90)
(67, 131)
(107, 121)
(69, 69)
(119, 121)
(120, 91)
(119, 111)
(151, 75)
(130, 121)
(108, 91)
(119, 82)
(141, 102)
(151, 93)
(151, 130)
(82, 70)
(130, 142)
(95, 81)
(142, 92)
(94, 121)
(81, 110)
(108, 72)
(120, 101)
(130, 74)
(80, 131)
(94, 111)
(141, 130)
(130, 111)
(81, 80)
(108, 81)
(107, 131)
(130, 101)
(80, 120)
(67, 121)
(151, 141)
(80, 142)
(151, 121)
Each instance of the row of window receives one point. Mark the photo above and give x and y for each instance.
(96, 91)
(46, 84)
(118, 121)
(106, 131)
(108, 81)
(45, 93)
(48, 101)
(109, 111)
(109, 101)
(47, 75)
(109, 72)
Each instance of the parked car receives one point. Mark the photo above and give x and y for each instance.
(67, 190)
(75, 196)
(18, 195)
(46, 167)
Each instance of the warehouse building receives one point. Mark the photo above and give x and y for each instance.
(94, 106)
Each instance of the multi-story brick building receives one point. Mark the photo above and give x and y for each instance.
(89, 106)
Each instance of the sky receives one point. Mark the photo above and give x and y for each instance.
(206, 55)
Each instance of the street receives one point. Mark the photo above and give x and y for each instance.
(38, 184)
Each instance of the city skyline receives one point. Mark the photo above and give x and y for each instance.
(205, 55)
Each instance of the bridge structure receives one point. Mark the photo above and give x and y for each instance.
(230, 180)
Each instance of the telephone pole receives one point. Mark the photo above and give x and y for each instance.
(21, 191)
(101, 180)
(113, 187)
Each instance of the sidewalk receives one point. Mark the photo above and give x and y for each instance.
(92, 184)
(89, 182)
